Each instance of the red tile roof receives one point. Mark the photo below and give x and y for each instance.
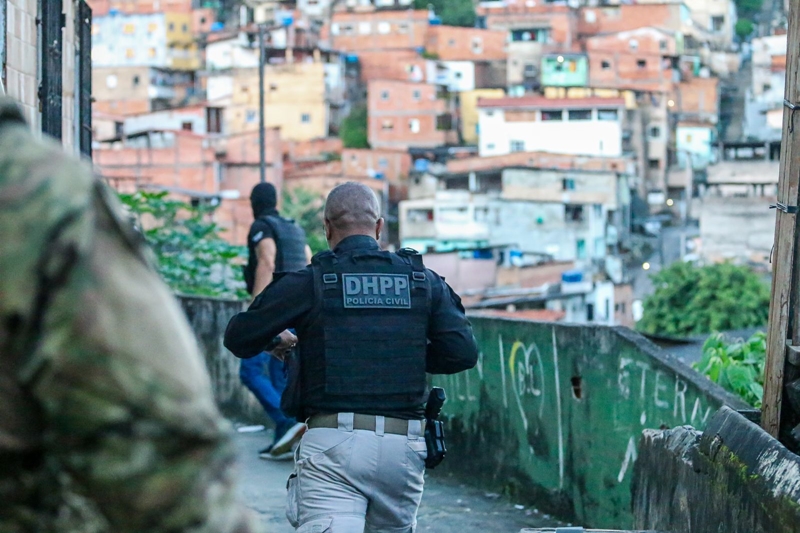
(540, 102)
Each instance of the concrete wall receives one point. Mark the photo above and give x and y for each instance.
(552, 414)
(746, 480)
(209, 318)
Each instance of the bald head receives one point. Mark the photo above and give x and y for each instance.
(351, 209)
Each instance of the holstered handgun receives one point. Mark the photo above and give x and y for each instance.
(434, 428)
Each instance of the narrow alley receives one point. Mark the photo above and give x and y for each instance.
(447, 505)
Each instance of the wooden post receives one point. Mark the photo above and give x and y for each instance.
(784, 326)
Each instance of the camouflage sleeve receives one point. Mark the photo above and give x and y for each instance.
(127, 412)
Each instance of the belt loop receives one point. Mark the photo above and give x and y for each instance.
(380, 424)
(414, 429)
(345, 421)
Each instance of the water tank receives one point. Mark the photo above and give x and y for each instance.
(421, 165)
(217, 26)
(572, 276)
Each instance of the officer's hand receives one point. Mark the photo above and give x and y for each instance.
(288, 342)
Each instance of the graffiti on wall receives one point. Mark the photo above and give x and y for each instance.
(530, 389)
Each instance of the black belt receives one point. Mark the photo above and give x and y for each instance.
(393, 426)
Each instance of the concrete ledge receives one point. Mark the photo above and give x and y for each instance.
(733, 477)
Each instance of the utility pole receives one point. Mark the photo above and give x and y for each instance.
(262, 127)
(783, 337)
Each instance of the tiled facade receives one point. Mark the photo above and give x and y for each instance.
(23, 57)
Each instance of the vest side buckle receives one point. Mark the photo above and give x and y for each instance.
(418, 276)
(330, 278)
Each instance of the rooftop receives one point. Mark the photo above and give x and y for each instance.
(540, 102)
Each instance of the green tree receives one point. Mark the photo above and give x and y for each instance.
(305, 208)
(736, 366)
(190, 255)
(744, 28)
(691, 300)
(748, 8)
(354, 129)
(452, 12)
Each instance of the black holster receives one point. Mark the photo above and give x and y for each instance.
(434, 428)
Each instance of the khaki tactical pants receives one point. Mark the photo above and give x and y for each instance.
(351, 481)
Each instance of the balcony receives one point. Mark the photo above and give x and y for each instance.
(161, 92)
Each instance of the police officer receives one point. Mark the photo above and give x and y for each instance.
(275, 244)
(107, 419)
(370, 325)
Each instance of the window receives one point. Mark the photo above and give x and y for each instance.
(662, 45)
(581, 254)
(605, 65)
(136, 81)
(185, 28)
(384, 28)
(171, 26)
(634, 44)
(540, 35)
(130, 53)
(348, 29)
(187, 126)
(383, 162)
(273, 87)
(214, 119)
(717, 23)
(767, 86)
(655, 132)
(402, 27)
(202, 20)
(384, 95)
(364, 28)
(607, 114)
(305, 118)
(152, 27)
(477, 45)
(387, 125)
(654, 164)
(417, 95)
(568, 184)
(517, 146)
(451, 42)
(573, 213)
(129, 29)
(151, 52)
(530, 69)
(444, 122)
(553, 115)
(458, 75)
(597, 209)
(413, 125)
(490, 146)
(490, 113)
(641, 63)
(580, 114)
(334, 29)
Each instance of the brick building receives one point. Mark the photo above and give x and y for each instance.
(640, 59)
(672, 16)
(377, 30)
(194, 167)
(452, 43)
(402, 115)
(103, 7)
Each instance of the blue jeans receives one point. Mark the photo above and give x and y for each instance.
(264, 376)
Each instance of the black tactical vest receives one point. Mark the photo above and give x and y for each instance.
(290, 241)
(373, 309)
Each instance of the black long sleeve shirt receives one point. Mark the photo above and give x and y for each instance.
(286, 302)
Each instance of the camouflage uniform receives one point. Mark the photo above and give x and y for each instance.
(107, 421)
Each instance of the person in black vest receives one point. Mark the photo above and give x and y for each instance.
(370, 324)
(275, 244)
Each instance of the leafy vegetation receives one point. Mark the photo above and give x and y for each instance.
(691, 300)
(736, 366)
(353, 130)
(305, 208)
(744, 28)
(190, 255)
(452, 12)
(748, 8)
